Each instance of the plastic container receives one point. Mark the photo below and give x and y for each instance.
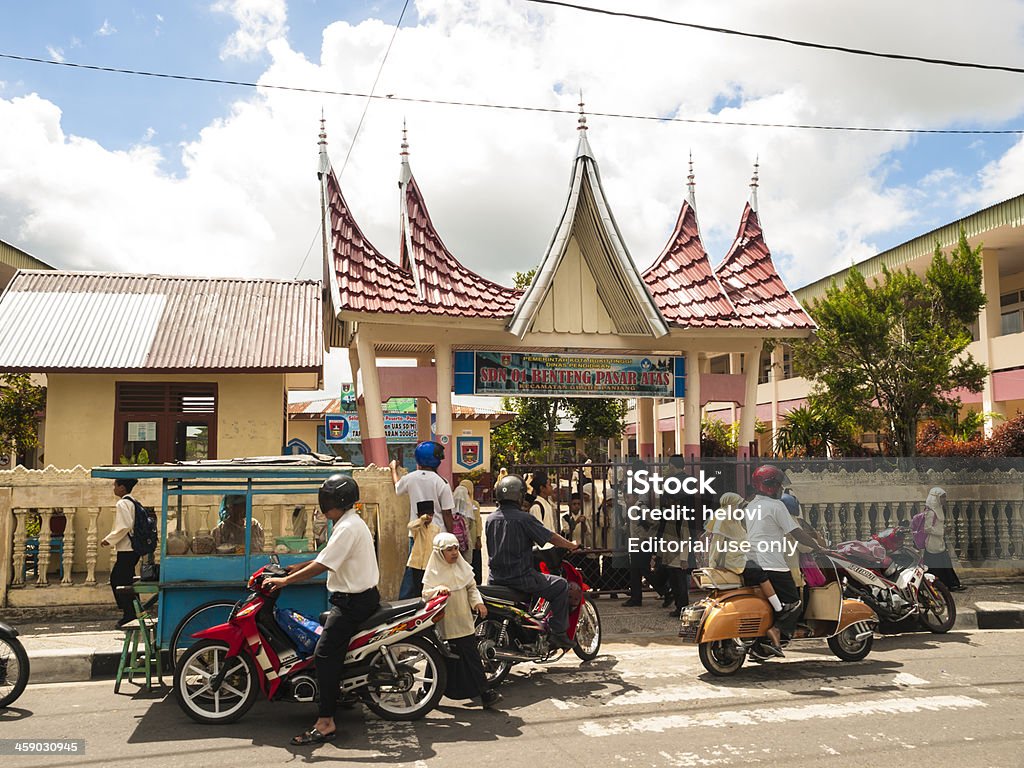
(304, 631)
(294, 543)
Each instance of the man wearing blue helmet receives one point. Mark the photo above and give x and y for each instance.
(429, 494)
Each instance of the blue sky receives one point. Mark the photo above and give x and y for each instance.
(111, 171)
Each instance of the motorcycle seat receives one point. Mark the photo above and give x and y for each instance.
(504, 593)
(385, 612)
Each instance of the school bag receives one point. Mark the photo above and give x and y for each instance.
(144, 535)
(917, 530)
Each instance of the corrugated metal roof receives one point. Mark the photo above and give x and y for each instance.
(1009, 213)
(13, 256)
(93, 321)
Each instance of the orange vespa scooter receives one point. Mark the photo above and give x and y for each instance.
(729, 624)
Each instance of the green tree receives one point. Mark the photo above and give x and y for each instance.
(596, 420)
(891, 351)
(814, 430)
(21, 402)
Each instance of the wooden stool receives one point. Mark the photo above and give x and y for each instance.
(136, 660)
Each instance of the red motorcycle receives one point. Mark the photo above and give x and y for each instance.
(393, 662)
(516, 627)
(888, 574)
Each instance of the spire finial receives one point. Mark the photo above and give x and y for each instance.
(582, 124)
(323, 129)
(754, 183)
(406, 172)
(405, 142)
(691, 185)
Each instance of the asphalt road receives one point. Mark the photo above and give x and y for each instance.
(918, 700)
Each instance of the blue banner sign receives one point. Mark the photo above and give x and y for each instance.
(537, 374)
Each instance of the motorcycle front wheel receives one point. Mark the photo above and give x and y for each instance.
(196, 669)
(588, 632)
(721, 657)
(488, 634)
(418, 686)
(847, 647)
(13, 670)
(937, 605)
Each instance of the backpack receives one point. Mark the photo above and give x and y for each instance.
(918, 531)
(460, 532)
(144, 535)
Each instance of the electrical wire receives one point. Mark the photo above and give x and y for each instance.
(786, 40)
(519, 107)
(359, 126)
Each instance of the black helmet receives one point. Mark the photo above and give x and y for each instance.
(338, 492)
(509, 488)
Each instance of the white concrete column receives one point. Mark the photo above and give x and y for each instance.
(645, 427)
(774, 374)
(691, 407)
(677, 413)
(989, 327)
(735, 367)
(423, 409)
(443, 424)
(371, 424)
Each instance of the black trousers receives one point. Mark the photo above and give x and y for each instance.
(123, 575)
(552, 588)
(787, 592)
(639, 567)
(466, 676)
(478, 566)
(678, 583)
(347, 613)
(941, 565)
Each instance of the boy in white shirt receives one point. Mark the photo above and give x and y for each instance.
(122, 574)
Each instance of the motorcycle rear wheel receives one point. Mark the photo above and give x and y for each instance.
(588, 632)
(722, 658)
(192, 675)
(488, 632)
(938, 606)
(422, 670)
(14, 667)
(847, 647)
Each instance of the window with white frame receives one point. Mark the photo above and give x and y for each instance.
(1011, 307)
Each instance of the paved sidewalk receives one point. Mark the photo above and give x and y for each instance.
(74, 651)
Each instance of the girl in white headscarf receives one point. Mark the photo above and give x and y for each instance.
(936, 556)
(449, 574)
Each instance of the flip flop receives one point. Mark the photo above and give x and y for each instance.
(313, 736)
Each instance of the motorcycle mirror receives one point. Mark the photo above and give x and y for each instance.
(275, 559)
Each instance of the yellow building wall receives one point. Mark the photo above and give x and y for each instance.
(471, 429)
(305, 431)
(80, 415)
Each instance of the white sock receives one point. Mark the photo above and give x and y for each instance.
(776, 603)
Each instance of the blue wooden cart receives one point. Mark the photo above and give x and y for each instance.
(197, 591)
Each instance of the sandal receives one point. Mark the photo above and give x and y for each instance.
(313, 736)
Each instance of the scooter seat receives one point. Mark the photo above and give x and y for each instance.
(504, 593)
(385, 612)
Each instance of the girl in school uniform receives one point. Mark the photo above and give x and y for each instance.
(448, 573)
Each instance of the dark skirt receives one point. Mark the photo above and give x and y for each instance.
(466, 677)
(940, 564)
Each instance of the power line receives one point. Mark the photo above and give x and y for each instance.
(359, 126)
(514, 107)
(786, 40)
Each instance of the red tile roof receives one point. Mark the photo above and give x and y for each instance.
(367, 280)
(682, 283)
(448, 287)
(753, 285)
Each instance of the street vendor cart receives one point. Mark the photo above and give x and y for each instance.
(219, 522)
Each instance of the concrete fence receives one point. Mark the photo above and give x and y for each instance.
(77, 511)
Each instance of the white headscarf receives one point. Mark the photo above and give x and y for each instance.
(730, 528)
(936, 502)
(463, 504)
(441, 573)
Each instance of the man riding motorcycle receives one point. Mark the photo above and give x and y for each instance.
(511, 534)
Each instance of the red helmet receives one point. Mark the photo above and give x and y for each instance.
(768, 480)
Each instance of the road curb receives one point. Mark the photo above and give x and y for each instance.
(998, 615)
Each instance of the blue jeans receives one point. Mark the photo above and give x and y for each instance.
(412, 581)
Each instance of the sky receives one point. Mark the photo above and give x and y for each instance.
(110, 171)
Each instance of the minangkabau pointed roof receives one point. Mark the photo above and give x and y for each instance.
(682, 282)
(588, 217)
(751, 281)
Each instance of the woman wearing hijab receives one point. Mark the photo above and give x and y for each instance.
(467, 507)
(449, 574)
(936, 556)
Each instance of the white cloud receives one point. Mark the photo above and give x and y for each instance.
(247, 200)
(259, 22)
(160, 18)
(149, 134)
(106, 29)
(57, 54)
